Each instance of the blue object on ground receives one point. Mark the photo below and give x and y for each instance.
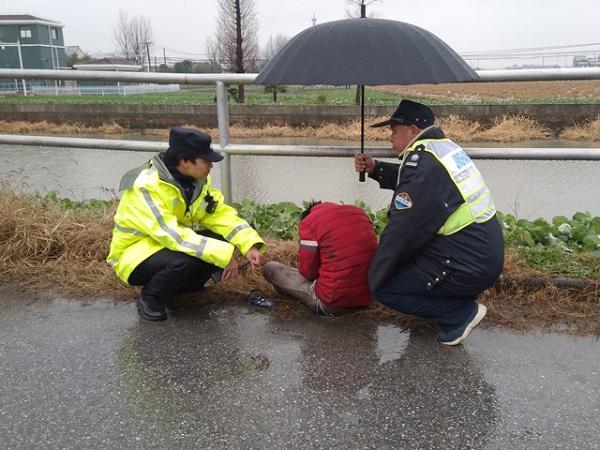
(257, 300)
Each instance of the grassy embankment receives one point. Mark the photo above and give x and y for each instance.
(503, 129)
(49, 243)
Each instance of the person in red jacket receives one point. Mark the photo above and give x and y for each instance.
(337, 244)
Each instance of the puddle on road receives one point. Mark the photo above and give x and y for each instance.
(216, 371)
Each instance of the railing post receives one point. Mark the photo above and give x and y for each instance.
(21, 64)
(223, 121)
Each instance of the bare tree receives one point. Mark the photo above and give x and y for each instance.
(237, 41)
(133, 36)
(274, 44)
(212, 51)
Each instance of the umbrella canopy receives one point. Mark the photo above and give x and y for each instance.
(365, 52)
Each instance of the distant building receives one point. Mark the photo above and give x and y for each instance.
(118, 64)
(533, 66)
(584, 61)
(74, 50)
(113, 64)
(41, 40)
(581, 61)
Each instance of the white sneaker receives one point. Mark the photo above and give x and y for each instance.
(458, 335)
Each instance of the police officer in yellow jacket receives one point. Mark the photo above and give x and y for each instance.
(443, 244)
(172, 228)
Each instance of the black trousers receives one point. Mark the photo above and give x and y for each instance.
(408, 293)
(168, 273)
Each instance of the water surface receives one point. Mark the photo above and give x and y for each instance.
(529, 189)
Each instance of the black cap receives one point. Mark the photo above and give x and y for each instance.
(188, 143)
(410, 113)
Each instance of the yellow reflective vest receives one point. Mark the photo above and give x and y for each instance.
(478, 206)
(153, 215)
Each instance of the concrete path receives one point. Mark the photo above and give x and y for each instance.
(91, 375)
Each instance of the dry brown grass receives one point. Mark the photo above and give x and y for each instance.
(459, 128)
(509, 128)
(46, 248)
(588, 131)
(513, 90)
(22, 127)
(506, 128)
(513, 128)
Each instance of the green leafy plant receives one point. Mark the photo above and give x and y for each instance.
(279, 219)
(563, 246)
(92, 205)
(580, 233)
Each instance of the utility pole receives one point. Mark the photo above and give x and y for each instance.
(148, 50)
(164, 56)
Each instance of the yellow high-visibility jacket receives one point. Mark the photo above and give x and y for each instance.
(153, 215)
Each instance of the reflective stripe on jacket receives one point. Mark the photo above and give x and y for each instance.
(153, 215)
(478, 206)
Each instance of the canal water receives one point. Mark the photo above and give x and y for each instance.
(528, 189)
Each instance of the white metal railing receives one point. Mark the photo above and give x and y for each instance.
(105, 90)
(141, 77)
(563, 73)
(549, 154)
(566, 73)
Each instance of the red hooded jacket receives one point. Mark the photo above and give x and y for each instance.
(337, 244)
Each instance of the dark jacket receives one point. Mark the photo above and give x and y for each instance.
(462, 264)
(337, 244)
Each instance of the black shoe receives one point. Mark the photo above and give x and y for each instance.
(151, 310)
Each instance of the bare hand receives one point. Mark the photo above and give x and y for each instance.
(255, 257)
(231, 270)
(364, 162)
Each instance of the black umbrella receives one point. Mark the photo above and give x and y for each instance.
(365, 52)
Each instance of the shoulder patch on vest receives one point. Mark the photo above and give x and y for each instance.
(403, 201)
(413, 160)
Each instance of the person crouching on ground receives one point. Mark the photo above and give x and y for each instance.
(442, 245)
(172, 228)
(337, 244)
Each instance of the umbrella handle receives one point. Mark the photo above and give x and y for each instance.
(361, 176)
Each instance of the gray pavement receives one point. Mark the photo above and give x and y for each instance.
(89, 374)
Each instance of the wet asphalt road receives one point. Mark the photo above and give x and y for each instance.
(91, 375)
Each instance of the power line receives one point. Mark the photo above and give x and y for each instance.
(532, 55)
(530, 49)
(180, 52)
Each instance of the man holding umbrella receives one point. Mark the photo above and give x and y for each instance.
(443, 244)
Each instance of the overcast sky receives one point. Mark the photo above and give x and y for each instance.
(466, 25)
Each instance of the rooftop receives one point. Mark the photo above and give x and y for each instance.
(107, 60)
(25, 19)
